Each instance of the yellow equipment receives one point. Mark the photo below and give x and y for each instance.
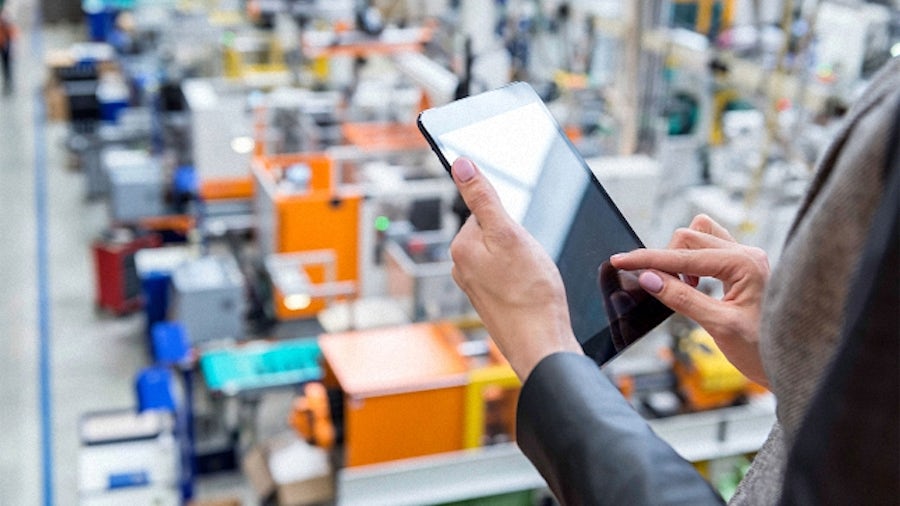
(257, 59)
(706, 379)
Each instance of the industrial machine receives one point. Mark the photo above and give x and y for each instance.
(302, 208)
(127, 457)
(255, 58)
(243, 374)
(221, 137)
(118, 287)
(295, 120)
(261, 365)
(208, 298)
(706, 379)
(418, 270)
(131, 131)
(386, 384)
(154, 268)
(303, 139)
(136, 185)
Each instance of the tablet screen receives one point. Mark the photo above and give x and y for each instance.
(545, 185)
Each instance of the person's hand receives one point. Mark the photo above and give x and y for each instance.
(707, 249)
(510, 280)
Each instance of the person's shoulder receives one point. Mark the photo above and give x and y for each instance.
(887, 78)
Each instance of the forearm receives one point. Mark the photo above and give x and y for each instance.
(592, 447)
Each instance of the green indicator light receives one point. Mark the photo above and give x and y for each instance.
(382, 223)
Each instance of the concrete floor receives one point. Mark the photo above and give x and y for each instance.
(19, 449)
(93, 357)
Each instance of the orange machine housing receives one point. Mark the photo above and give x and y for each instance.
(226, 188)
(404, 390)
(325, 217)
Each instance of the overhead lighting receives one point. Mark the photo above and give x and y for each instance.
(895, 50)
(242, 145)
(297, 302)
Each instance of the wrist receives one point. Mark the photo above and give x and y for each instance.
(535, 348)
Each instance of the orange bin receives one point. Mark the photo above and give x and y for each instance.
(405, 390)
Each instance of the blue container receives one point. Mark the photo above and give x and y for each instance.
(110, 109)
(113, 95)
(155, 288)
(154, 389)
(100, 24)
(185, 181)
(170, 343)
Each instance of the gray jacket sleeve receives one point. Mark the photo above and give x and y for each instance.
(591, 446)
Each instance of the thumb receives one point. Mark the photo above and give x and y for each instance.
(478, 193)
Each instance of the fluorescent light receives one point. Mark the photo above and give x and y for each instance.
(297, 302)
(242, 145)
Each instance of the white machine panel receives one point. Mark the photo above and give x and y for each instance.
(220, 129)
(130, 464)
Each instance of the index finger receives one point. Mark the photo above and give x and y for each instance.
(478, 193)
(703, 262)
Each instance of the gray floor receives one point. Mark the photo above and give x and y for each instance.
(93, 357)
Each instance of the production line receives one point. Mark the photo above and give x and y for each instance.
(282, 229)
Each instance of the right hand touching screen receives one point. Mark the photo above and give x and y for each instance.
(707, 249)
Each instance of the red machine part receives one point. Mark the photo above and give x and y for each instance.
(117, 285)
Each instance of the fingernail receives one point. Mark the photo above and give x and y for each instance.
(463, 169)
(651, 282)
(616, 257)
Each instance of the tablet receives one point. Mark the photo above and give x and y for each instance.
(545, 184)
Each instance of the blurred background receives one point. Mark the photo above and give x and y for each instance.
(225, 263)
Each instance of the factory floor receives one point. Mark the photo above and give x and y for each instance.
(93, 357)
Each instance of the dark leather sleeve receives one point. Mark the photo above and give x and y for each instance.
(591, 446)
